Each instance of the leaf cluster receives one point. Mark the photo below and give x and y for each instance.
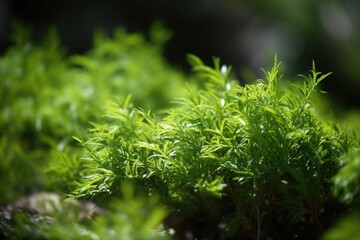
(237, 153)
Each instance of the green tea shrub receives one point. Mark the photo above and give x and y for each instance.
(48, 96)
(254, 160)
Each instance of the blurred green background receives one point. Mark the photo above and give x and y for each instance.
(245, 34)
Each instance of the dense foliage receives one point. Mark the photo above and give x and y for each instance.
(225, 160)
(248, 158)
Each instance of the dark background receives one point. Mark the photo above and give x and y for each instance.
(244, 34)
